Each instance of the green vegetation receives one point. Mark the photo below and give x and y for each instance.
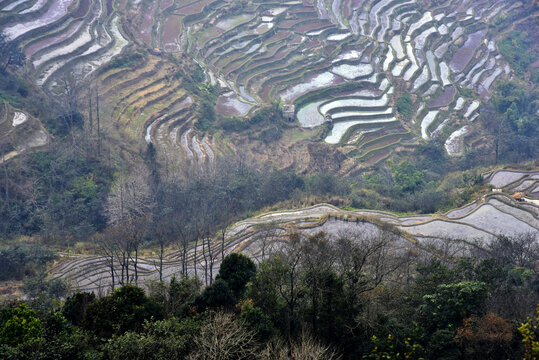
(20, 326)
(16, 261)
(350, 298)
(515, 47)
(124, 310)
(205, 116)
(232, 123)
(268, 122)
(404, 105)
(530, 335)
(63, 125)
(11, 54)
(194, 81)
(465, 91)
(513, 122)
(406, 177)
(19, 93)
(58, 193)
(311, 297)
(236, 270)
(518, 106)
(123, 61)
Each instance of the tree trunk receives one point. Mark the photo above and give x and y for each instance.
(315, 307)
(496, 149)
(162, 249)
(90, 114)
(112, 271)
(136, 264)
(98, 122)
(205, 261)
(6, 177)
(291, 303)
(123, 269)
(223, 244)
(184, 261)
(195, 257)
(127, 266)
(212, 260)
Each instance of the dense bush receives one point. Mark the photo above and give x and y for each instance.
(20, 260)
(125, 309)
(122, 61)
(58, 192)
(404, 105)
(205, 116)
(515, 48)
(233, 123)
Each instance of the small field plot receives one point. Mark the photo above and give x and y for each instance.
(498, 222)
(447, 230)
(503, 178)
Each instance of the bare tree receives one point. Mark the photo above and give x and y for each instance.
(162, 233)
(520, 250)
(133, 231)
(204, 218)
(10, 53)
(266, 234)
(106, 247)
(69, 105)
(303, 348)
(183, 234)
(210, 253)
(90, 113)
(368, 259)
(5, 143)
(286, 277)
(130, 196)
(115, 248)
(128, 207)
(222, 238)
(317, 262)
(98, 120)
(224, 338)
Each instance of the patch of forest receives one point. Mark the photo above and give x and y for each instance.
(314, 297)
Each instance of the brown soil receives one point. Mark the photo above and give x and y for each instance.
(324, 157)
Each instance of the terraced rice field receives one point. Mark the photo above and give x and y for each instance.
(78, 39)
(513, 181)
(462, 229)
(332, 45)
(309, 53)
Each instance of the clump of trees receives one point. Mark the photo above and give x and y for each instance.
(515, 47)
(513, 122)
(206, 115)
(17, 261)
(11, 54)
(404, 105)
(407, 177)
